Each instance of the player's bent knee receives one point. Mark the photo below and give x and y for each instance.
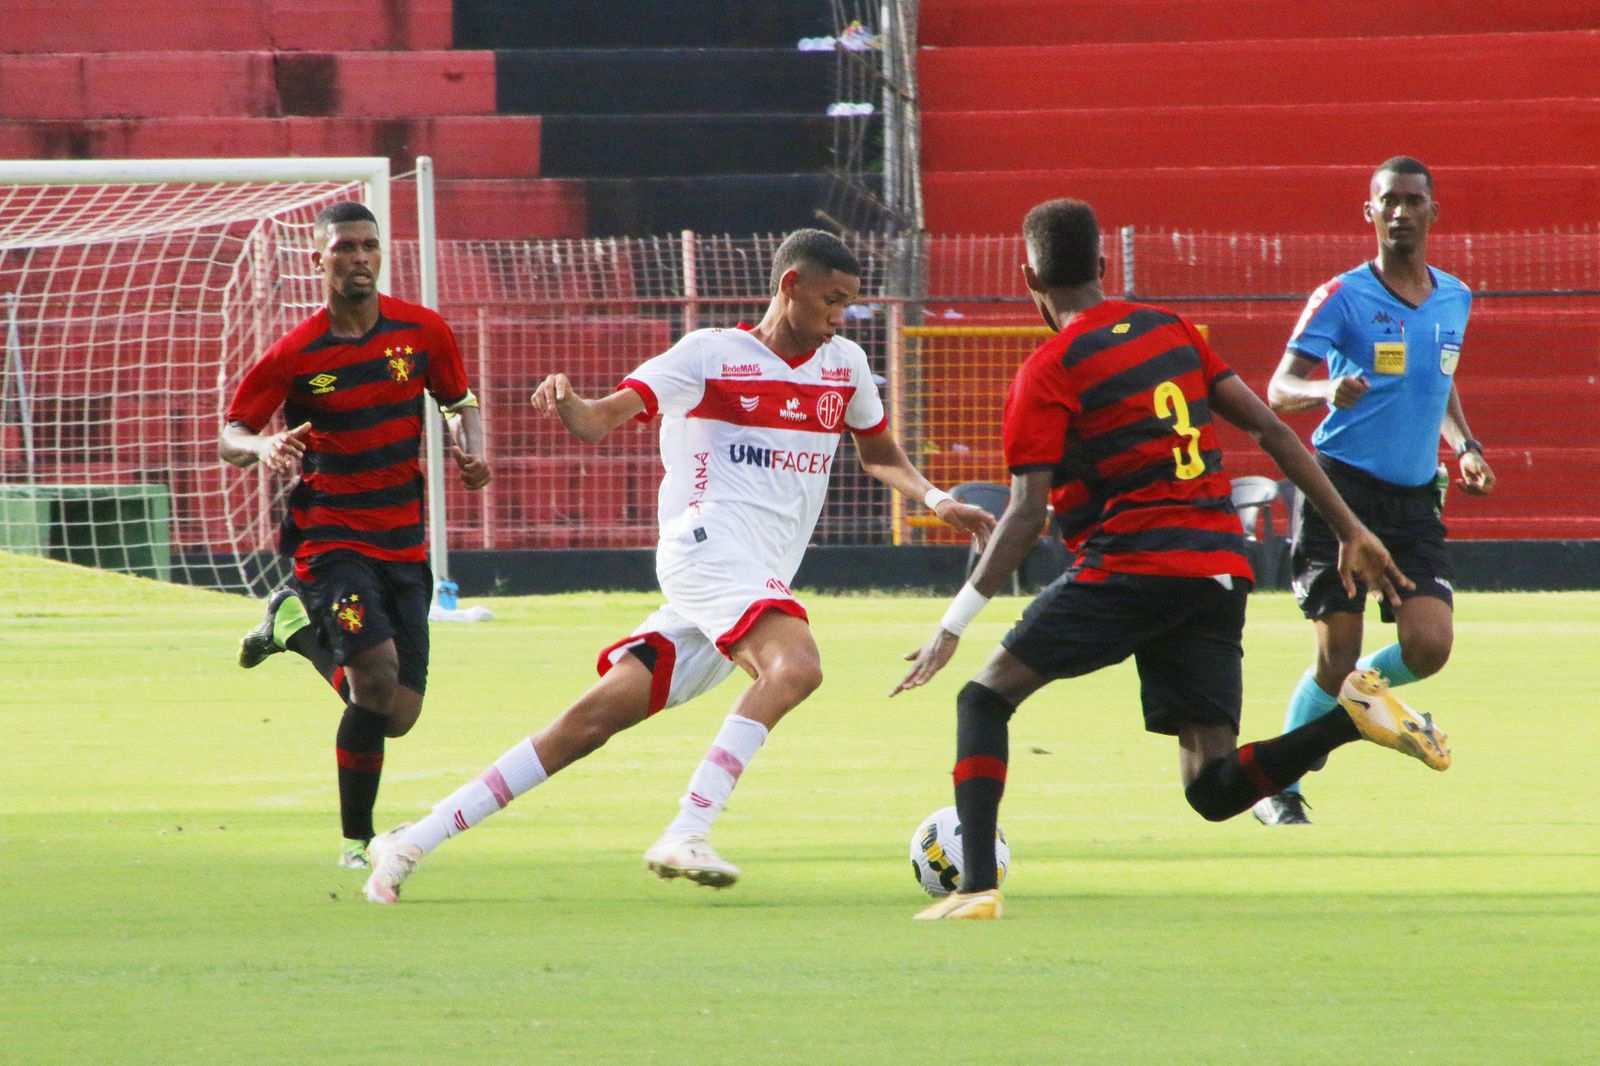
(798, 679)
(975, 698)
(1426, 658)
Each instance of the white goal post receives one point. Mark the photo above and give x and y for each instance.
(133, 295)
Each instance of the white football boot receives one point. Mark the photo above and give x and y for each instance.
(392, 863)
(692, 857)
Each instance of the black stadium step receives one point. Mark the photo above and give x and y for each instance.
(660, 146)
(494, 24)
(735, 203)
(663, 82)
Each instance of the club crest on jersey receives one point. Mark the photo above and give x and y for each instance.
(830, 408)
(322, 384)
(400, 363)
(791, 410)
(350, 613)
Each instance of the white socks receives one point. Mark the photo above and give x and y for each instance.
(737, 743)
(514, 773)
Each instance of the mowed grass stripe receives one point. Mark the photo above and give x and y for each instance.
(167, 891)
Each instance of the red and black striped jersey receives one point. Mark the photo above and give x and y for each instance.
(361, 479)
(1117, 407)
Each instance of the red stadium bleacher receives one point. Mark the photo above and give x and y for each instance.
(1446, 134)
(227, 26)
(385, 84)
(137, 85)
(503, 209)
(958, 23)
(1345, 70)
(1258, 199)
(479, 146)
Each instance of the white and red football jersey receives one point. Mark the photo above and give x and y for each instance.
(748, 439)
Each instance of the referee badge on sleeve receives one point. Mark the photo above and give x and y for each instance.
(1449, 356)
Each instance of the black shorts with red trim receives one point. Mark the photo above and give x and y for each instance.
(1405, 518)
(1184, 633)
(357, 602)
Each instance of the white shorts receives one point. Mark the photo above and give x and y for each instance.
(710, 606)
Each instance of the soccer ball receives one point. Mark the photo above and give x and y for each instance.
(936, 853)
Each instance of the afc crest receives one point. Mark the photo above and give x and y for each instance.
(830, 408)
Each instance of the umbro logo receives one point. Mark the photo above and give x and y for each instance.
(322, 384)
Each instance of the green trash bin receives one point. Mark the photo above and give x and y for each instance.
(127, 528)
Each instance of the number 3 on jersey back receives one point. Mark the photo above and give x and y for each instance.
(1170, 403)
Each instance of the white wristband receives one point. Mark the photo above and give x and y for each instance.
(935, 497)
(962, 610)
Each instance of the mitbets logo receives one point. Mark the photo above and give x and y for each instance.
(791, 410)
(741, 370)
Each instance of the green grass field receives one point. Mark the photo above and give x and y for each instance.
(168, 828)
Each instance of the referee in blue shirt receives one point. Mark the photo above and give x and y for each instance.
(1389, 334)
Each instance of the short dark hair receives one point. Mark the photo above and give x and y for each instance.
(1063, 239)
(1404, 164)
(815, 249)
(343, 211)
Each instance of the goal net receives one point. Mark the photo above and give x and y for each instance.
(133, 296)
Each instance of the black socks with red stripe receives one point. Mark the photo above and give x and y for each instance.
(304, 642)
(1228, 786)
(982, 745)
(359, 749)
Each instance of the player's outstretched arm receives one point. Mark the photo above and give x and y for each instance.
(279, 452)
(1013, 538)
(588, 420)
(1361, 554)
(885, 460)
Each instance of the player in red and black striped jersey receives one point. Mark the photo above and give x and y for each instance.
(351, 381)
(1111, 421)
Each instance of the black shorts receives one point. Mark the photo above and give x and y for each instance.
(357, 602)
(1405, 518)
(1184, 633)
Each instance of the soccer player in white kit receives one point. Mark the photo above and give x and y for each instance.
(751, 421)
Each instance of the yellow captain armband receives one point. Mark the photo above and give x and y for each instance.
(462, 404)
